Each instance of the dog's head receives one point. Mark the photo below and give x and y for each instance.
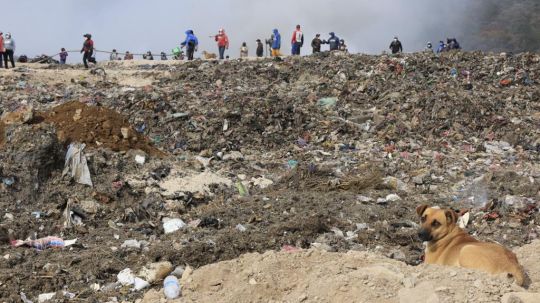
(435, 223)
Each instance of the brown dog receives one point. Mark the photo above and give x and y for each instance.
(209, 56)
(450, 245)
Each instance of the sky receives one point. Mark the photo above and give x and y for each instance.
(368, 26)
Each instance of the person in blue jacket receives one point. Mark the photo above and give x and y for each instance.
(333, 41)
(191, 43)
(441, 48)
(276, 44)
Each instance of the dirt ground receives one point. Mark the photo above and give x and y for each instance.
(319, 276)
(329, 154)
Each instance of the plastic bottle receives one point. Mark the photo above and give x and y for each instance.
(171, 287)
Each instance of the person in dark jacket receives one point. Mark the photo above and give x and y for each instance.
(333, 41)
(63, 56)
(453, 44)
(148, 56)
(88, 49)
(316, 44)
(163, 56)
(191, 44)
(260, 48)
(396, 46)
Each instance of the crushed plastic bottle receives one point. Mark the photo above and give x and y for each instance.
(171, 287)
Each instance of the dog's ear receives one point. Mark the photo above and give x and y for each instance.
(451, 216)
(421, 209)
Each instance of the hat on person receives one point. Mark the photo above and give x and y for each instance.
(87, 36)
(258, 40)
(317, 35)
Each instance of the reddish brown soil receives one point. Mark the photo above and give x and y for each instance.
(95, 126)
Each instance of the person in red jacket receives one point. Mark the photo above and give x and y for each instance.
(88, 49)
(297, 41)
(222, 42)
(2, 49)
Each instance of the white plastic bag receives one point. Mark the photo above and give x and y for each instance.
(76, 164)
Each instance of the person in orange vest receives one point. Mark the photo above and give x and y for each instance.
(222, 42)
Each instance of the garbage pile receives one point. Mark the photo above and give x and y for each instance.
(188, 164)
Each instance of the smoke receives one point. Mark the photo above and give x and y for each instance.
(138, 26)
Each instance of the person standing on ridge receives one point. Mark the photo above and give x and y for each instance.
(429, 48)
(191, 43)
(441, 48)
(343, 46)
(222, 42)
(114, 56)
(128, 56)
(297, 41)
(316, 44)
(9, 45)
(333, 41)
(87, 49)
(244, 50)
(63, 56)
(276, 44)
(2, 49)
(396, 46)
(163, 56)
(260, 48)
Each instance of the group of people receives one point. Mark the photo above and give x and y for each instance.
(297, 42)
(7, 50)
(451, 44)
(191, 44)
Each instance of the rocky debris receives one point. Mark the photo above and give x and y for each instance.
(325, 152)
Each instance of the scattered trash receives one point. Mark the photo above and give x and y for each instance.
(76, 164)
(291, 164)
(126, 278)
(242, 190)
(327, 103)
(463, 221)
(171, 225)
(8, 181)
(140, 159)
(240, 228)
(171, 287)
(43, 243)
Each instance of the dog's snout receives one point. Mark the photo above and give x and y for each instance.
(424, 235)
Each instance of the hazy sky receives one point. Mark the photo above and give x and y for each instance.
(367, 25)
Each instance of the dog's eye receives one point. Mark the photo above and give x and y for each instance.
(423, 219)
(435, 223)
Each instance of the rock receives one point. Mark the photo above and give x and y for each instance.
(89, 206)
(392, 198)
(21, 116)
(521, 297)
(155, 272)
(233, 156)
(131, 244)
(423, 293)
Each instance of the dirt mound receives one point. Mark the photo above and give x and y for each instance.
(318, 276)
(96, 126)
